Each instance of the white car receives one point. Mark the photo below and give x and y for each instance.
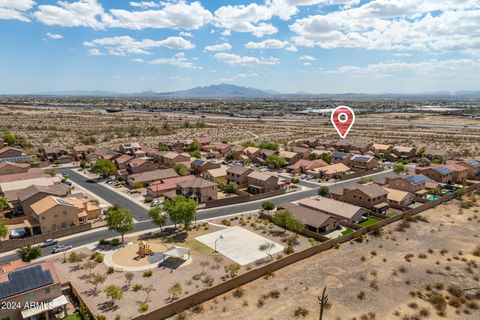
(155, 203)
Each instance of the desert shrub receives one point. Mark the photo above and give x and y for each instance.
(274, 294)
(476, 251)
(260, 302)
(300, 312)
(143, 307)
(115, 242)
(238, 293)
(110, 270)
(147, 273)
(226, 222)
(197, 308)
(137, 287)
(196, 277)
(361, 295)
(288, 250)
(148, 199)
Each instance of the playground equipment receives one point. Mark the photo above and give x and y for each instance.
(144, 249)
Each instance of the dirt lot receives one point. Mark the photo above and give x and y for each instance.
(426, 271)
(54, 126)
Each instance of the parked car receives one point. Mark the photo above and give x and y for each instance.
(18, 233)
(68, 183)
(92, 181)
(61, 248)
(48, 243)
(155, 203)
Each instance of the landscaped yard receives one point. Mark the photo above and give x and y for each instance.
(347, 231)
(392, 214)
(73, 316)
(369, 222)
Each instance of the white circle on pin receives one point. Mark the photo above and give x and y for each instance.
(343, 117)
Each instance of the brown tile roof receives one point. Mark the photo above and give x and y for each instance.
(197, 183)
(372, 190)
(238, 170)
(168, 184)
(32, 173)
(153, 175)
(15, 164)
(306, 215)
(54, 190)
(331, 206)
(259, 175)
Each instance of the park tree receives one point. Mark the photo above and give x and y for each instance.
(104, 167)
(268, 205)
(3, 203)
(128, 278)
(194, 146)
(175, 290)
(281, 218)
(89, 265)
(77, 258)
(181, 210)
(115, 293)
(10, 138)
(400, 168)
(96, 280)
(196, 154)
(327, 157)
(51, 172)
(267, 248)
(181, 169)
(158, 217)
(324, 191)
(120, 220)
(148, 289)
(275, 161)
(29, 253)
(3, 230)
(296, 226)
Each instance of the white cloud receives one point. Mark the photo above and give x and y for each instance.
(94, 52)
(245, 18)
(285, 9)
(307, 58)
(173, 16)
(185, 34)
(54, 36)
(122, 45)
(237, 60)
(292, 48)
(84, 13)
(144, 4)
(247, 75)
(15, 9)
(89, 13)
(267, 44)
(219, 47)
(178, 60)
(427, 25)
(138, 60)
(430, 68)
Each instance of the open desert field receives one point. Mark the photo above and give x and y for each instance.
(423, 269)
(54, 126)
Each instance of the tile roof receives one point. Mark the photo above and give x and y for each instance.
(372, 190)
(260, 175)
(197, 183)
(306, 215)
(331, 206)
(55, 190)
(217, 172)
(153, 175)
(238, 170)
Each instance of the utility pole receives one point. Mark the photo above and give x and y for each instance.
(323, 300)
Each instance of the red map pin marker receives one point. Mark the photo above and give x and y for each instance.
(342, 119)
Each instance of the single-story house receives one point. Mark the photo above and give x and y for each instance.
(146, 178)
(160, 188)
(313, 220)
(330, 171)
(8, 167)
(399, 199)
(338, 209)
(215, 175)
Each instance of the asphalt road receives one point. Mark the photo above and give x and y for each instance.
(141, 214)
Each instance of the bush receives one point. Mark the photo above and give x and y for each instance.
(238, 293)
(137, 287)
(143, 307)
(300, 312)
(196, 277)
(115, 242)
(103, 242)
(110, 270)
(147, 274)
(226, 222)
(288, 249)
(148, 199)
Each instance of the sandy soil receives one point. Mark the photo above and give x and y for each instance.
(398, 275)
(127, 256)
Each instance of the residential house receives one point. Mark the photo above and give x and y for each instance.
(303, 166)
(438, 155)
(312, 142)
(238, 175)
(122, 161)
(334, 208)
(216, 175)
(199, 189)
(251, 152)
(340, 157)
(138, 165)
(326, 144)
(404, 152)
(414, 184)
(203, 141)
(54, 213)
(265, 153)
(161, 187)
(21, 200)
(459, 173)
(8, 167)
(259, 182)
(337, 171)
(304, 152)
(199, 166)
(399, 199)
(58, 154)
(171, 159)
(146, 178)
(381, 150)
(81, 152)
(222, 148)
(342, 145)
(130, 148)
(313, 220)
(35, 287)
(155, 155)
(22, 180)
(10, 152)
(438, 173)
(102, 153)
(360, 147)
(237, 151)
(473, 168)
(362, 163)
(290, 157)
(370, 196)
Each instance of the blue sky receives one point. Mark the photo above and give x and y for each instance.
(318, 46)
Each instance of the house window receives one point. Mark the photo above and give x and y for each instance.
(65, 213)
(55, 215)
(64, 225)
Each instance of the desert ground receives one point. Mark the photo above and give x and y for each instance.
(427, 268)
(54, 126)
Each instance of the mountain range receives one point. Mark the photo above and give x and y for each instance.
(238, 92)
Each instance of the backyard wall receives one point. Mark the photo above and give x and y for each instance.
(8, 245)
(243, 198)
